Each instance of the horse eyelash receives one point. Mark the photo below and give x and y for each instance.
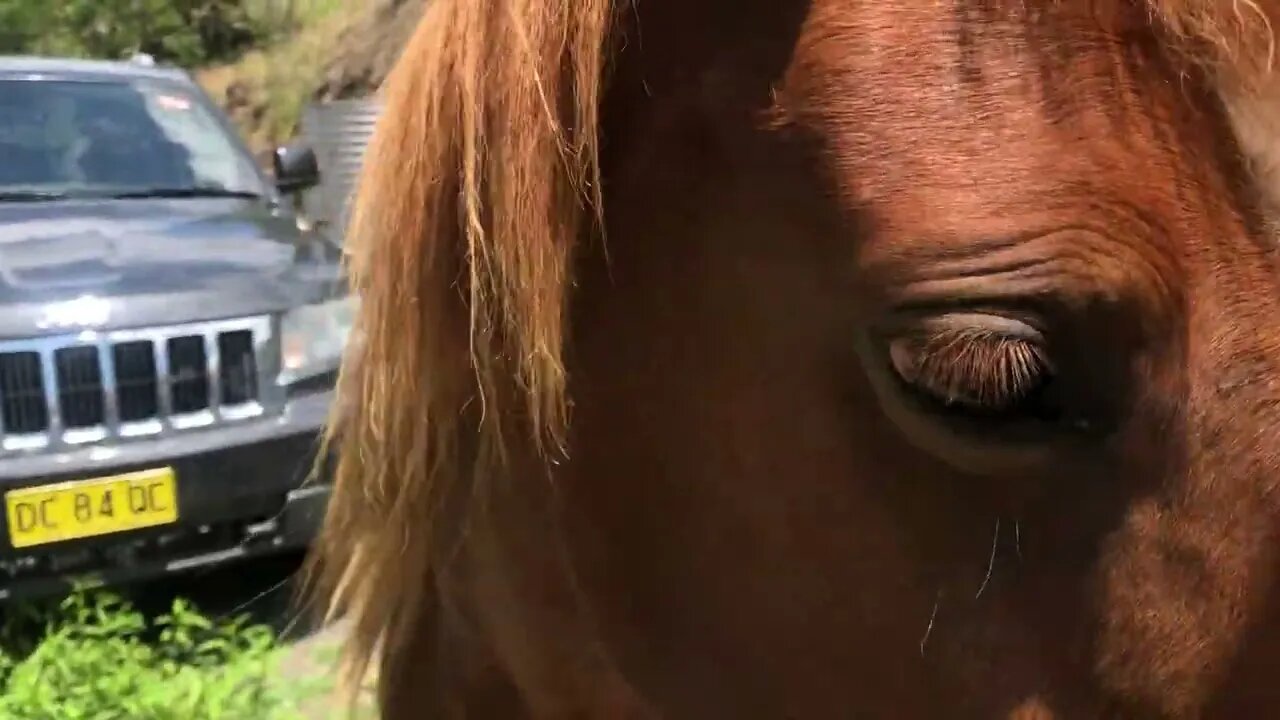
(974, 367)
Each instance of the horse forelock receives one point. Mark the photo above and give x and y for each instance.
(475, 187)
(1236, 41)
(1236, 37)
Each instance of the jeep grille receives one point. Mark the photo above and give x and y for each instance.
(79, 389)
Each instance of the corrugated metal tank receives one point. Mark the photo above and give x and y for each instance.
(338, 132)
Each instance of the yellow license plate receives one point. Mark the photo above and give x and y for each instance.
(88, 508)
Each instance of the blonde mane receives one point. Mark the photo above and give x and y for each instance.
(1236, 41)
(479, 180)
(475, 185)
(1233, 36)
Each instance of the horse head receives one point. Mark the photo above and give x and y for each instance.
(817, 358)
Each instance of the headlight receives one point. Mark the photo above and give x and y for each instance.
(312, 338)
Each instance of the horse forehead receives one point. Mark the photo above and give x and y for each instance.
(932, 55)
(955, 124)
(919, 24)
(982, 111)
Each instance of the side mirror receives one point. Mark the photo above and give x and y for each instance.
(295, 168)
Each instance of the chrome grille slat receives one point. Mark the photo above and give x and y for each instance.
(110, 389)
(213, 369)
(78, 389)
(159, 346)
(49, 378)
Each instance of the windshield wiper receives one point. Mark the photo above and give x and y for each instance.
(187, 192)
(31, 195)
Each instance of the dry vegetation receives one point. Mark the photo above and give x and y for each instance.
(368, 47)
(343, 48)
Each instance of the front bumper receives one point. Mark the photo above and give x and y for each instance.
(241, 493)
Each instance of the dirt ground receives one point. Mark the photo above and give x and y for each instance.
(313, 657)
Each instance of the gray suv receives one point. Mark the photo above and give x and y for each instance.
(170, 330)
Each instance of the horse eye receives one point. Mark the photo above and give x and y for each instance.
(989, 368)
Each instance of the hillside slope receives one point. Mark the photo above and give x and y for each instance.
(342, 54)
(368, 48)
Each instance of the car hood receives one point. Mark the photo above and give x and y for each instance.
(146, 262)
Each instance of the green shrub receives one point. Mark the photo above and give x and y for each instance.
(97, 658)
(186, 32)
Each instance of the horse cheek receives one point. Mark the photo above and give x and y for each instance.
(1188, 573)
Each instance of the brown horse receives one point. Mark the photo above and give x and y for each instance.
(817, 359)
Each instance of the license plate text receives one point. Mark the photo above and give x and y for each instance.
(74, 510)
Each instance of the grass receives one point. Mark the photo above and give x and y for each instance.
(93, 656)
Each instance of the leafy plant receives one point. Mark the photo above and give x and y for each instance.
(187, 32)
(97, 658)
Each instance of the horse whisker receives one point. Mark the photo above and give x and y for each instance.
(991, 562)
(929, 628)
(1017, 539)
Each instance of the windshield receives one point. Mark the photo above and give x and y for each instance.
(103, 139)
